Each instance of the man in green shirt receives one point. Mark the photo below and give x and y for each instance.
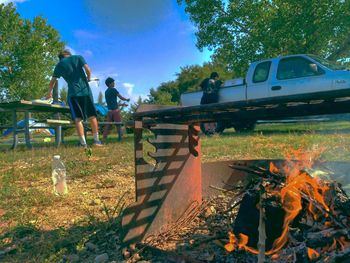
(71, 68)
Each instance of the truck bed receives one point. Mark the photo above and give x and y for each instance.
(244, 111)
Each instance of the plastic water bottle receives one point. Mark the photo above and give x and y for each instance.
(59, 176)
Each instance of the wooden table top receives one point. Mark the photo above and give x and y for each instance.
(24, 105)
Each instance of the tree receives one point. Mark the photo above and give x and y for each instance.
(100, 98)
(188, 79)
(127, 114)
(28, 52)
(242, 31)
(163, 95)
(64, 94)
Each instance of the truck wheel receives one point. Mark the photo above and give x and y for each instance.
(244, 127)
(203, 128)
(219, 127)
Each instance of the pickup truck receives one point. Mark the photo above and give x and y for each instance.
(286, 78)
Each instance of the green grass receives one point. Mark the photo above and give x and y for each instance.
(273, 141)
(44, 228)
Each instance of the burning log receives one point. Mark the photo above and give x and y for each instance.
(247, 220)
(339, 199)
(303, 214)
(324, 237)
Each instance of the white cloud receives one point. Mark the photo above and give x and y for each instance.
(128, 85)
(187, 29)
(129, 88)
(11, 1)
(87, 53)
(129, 16)
(73, 51)
(83, 34)
(130, 91)
(104, 74)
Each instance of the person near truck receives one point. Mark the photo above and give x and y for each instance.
(113, 115)
(210, 87)
(77, 73)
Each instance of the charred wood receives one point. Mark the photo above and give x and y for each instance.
(324, 238)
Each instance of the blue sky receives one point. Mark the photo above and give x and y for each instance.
(140, 43)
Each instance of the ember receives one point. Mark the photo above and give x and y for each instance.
(288, 208)
(312, 254)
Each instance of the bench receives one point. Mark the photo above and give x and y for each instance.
(28, 107)
(69, 124)
(59, 122)
(25, 130)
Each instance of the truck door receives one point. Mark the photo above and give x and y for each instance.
(298, 75)
(258, 86)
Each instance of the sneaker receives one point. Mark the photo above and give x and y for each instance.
(97, 144)
(80, 145)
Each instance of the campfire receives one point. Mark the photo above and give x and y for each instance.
(292, 214)
(279, 211)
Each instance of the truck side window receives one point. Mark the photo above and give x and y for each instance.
(261, 72)
(297, 67)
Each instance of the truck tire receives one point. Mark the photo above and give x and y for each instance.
(220, 127)
(244, 127)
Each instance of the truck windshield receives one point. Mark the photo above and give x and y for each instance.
(328, 64)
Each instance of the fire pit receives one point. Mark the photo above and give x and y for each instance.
(287, 212)
(201, 234)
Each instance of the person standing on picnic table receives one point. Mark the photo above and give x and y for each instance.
(210, 87)
(76, 72)
(113, 115)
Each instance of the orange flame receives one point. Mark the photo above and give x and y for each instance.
(298, 185)
(291, 197)
(231, 246)
(239, 244)
(273, 168)
(243, 244)
(312, 254)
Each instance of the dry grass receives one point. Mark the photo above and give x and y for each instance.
(41, 227)
(27, 202)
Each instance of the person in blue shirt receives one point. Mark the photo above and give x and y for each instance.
(113, 115)
(76, 72)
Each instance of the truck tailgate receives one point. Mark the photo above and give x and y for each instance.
(226, 94)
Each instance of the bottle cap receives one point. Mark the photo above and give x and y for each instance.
(56, 157)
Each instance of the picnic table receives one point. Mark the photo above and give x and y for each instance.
(27, 107)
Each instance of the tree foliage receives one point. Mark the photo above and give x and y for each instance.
(188, 79)
(127, 114)
(28, 52)
(242, 31)
(64, 94)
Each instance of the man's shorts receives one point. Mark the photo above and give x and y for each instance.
(114, 115)
(82, 107)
